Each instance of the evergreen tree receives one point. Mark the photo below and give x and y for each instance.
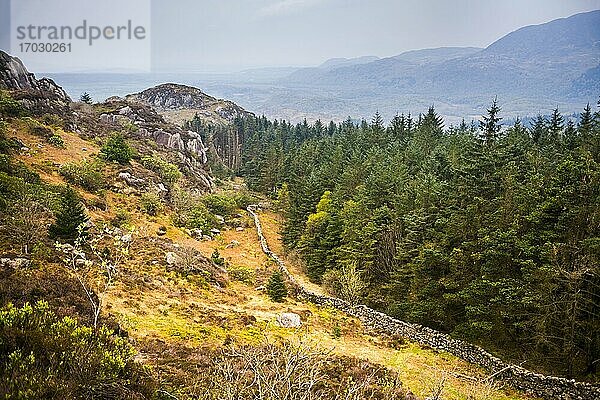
(70, 216)
(276, 287)
(586, 122)
(432, 122)
(556, 125)
(490, 125)
(538, 129)
(85, 98)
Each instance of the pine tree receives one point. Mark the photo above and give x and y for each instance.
(433, 122)
(556, 125)
(490, 125)
(69, 217)
(276, 287)
(538, 129)
(85, 98)
(586, 122)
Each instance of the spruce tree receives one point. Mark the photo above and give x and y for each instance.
(433, 122)
(490, 125)
(586, 122)
(538, 129)
(69, 217)
(85, 98)
(276, 287)
(556, 124)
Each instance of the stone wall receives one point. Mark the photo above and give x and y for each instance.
(546, 387)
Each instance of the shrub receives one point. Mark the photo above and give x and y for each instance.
(117, 149)
(9, 107)
(43, 356)
(241, 274)
(151, 203)
(84, 174)
(36, 128)
(121, 218)
(346, 283)
(5, 144)
(295, 370)
(52, 120)
(243, 199)
(276, 287)
(190, 212)
(56, 140)
(220, 204)
(168, 172)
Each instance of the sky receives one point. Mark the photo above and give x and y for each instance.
(233, 35)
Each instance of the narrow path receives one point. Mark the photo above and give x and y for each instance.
(547, 387)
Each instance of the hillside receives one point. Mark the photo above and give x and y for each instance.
(165, 298)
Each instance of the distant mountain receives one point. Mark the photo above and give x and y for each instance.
(344, 62)
(535, 65)
(436, 55)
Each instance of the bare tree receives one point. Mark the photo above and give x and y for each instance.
(94, 261)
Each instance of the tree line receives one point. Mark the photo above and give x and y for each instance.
(489, 232)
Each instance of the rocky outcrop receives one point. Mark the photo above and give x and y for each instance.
(546, 387)
(179, 103)
(189, 151)
(39, 96)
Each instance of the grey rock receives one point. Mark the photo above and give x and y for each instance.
(17, 263)
(132, 180)
(289, 320)
(171, 258)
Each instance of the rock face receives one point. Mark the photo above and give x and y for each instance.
(188, 150)
(37, 95)
(179, 103)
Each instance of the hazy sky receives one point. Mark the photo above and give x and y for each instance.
(236, 34)
(229, 35)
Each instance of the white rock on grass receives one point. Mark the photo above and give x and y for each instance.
(289, 320)
(171, 258)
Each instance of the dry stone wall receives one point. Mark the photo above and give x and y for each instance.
(546, 387)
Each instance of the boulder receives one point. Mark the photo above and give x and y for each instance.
(132, 180)
(289, 320)
(171, 258)
(233, 243)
